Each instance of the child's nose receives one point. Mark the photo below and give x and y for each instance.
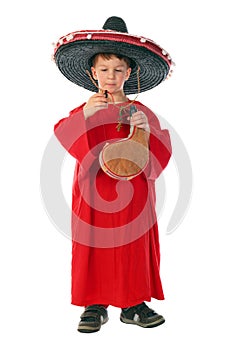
(111, 74)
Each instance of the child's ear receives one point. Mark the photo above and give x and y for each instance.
(93, 71)
(128, 72)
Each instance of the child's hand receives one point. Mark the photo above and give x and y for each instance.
(140, 120)
(95, 103)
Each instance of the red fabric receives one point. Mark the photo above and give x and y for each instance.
(115, 246)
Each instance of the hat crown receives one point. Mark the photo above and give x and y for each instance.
(115, 23)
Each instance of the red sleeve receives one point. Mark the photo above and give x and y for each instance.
(72, 134)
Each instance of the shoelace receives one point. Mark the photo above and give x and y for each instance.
(145, 309)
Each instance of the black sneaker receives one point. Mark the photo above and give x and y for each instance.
(92, 319)
(142, 316)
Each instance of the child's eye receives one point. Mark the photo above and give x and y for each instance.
(118, 70)
(104, 70)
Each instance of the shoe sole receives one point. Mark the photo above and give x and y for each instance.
(156, 323)
(89, 329)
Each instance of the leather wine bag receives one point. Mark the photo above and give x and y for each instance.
(126, 158)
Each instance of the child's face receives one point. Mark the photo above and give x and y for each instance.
(111, 74)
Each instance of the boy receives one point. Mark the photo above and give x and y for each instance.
(115, 243)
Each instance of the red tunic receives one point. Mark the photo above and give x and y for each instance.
(115, 243)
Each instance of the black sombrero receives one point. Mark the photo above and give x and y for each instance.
(73, 55)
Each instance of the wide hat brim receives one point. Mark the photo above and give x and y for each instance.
(73, 55)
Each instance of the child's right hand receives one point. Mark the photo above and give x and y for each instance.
(95, 103)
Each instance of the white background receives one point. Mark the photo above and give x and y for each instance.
(196, 269)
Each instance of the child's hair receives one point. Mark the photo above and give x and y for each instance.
(108, 56)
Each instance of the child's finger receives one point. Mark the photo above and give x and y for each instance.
(139, 118)
(97, 100)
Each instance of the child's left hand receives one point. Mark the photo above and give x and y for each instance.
(140, 120)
